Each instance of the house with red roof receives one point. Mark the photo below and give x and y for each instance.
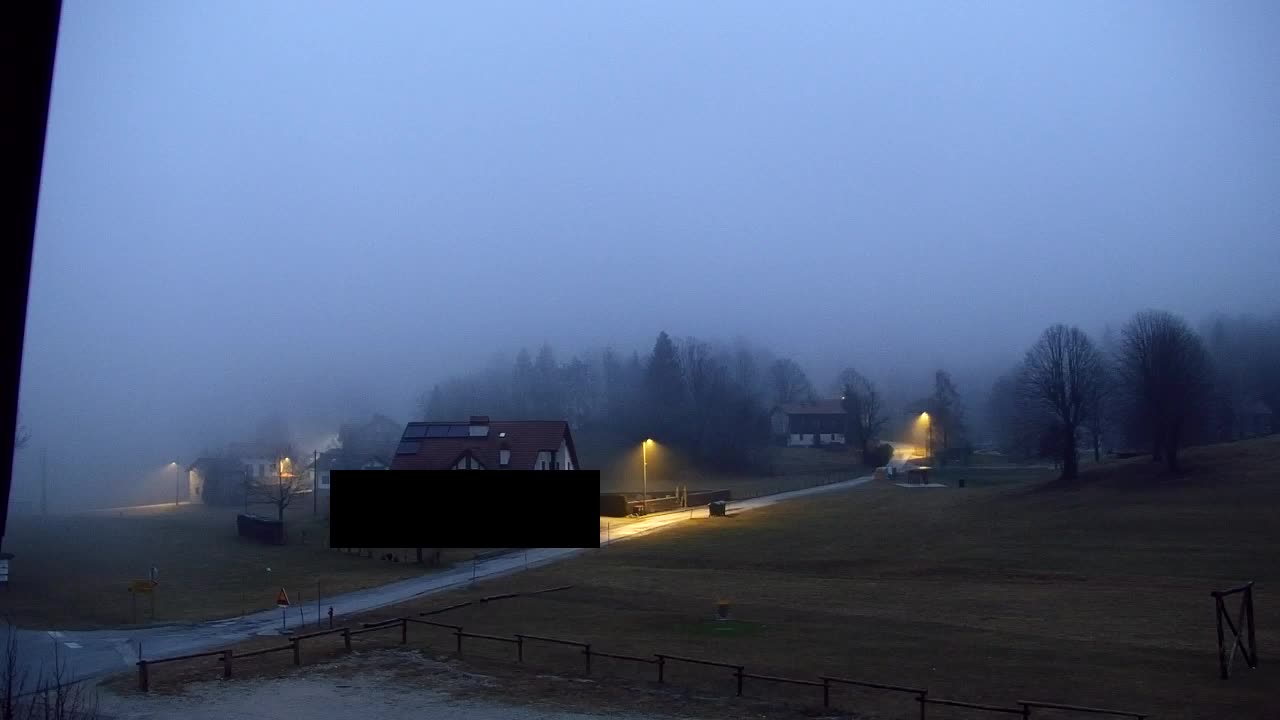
(484, 444)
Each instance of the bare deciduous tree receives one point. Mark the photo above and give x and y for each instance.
(1166, 375)
(55, 696)
(278, 489)
(788, 382)
(1060, 376)
(863, 410)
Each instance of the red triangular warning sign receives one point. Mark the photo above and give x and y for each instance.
(282, 599)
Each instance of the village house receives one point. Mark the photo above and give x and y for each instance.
(810, 424)
(482, 444)
(222, 479)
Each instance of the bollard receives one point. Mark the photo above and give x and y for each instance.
(226, 663)
(586, 652)
(143, 683)
(826, 693)
(738, 672)
(404, 631)
(297, 651)
(519, 648)
(331, 618)
(661, 661)
(458, 633)
(346, 638)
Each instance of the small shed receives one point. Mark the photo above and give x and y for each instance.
(918, 474)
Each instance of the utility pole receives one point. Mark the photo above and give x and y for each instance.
(44, 481)
(177, 482)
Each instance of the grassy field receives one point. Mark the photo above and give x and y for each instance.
(73, 571)
(1095, 593)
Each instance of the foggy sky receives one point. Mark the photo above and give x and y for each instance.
(320, 208)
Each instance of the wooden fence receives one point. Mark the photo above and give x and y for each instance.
(660, 661)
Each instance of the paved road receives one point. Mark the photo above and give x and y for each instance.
(94, 652)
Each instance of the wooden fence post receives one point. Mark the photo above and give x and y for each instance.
(458, 633)
(226, 662)
(1220, 610)
(586, 652)
(661, 661)
(143, 681)
(404, 631)
(738, 673)
(519, 648)
(1248, 609)
(826, 693)
(346, 638)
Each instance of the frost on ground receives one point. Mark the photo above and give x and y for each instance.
(386, 686)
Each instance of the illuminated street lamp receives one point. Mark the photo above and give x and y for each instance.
(928, 437)
(644, 455)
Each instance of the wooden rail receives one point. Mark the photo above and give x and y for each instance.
(1081, 709)
(144, 677)
(791, 681)
(455, 606)
(920, 693)
(925, 700)
(265, 651)
(631, 658)
(433, 623)
(549, 590)
(459, 634)
(586, 647)
(737, 669)
(318, 633)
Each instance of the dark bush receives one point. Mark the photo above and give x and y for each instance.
(880, 455)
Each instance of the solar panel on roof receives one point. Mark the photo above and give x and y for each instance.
(415, 431)
(457, 431)
(437, 431)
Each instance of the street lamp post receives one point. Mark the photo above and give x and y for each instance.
(644, 455)
(177, 482)
(928, 435)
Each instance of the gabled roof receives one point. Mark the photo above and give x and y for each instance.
(818, 407)
(338, 460)
(523, 438)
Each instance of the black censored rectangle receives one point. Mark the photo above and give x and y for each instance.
(461, 508)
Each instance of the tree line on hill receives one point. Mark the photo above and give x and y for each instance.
(712, 401)
(1157, 385)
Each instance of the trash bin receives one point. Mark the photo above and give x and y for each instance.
(718, 508)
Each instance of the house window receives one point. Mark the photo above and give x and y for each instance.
(504, 457)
